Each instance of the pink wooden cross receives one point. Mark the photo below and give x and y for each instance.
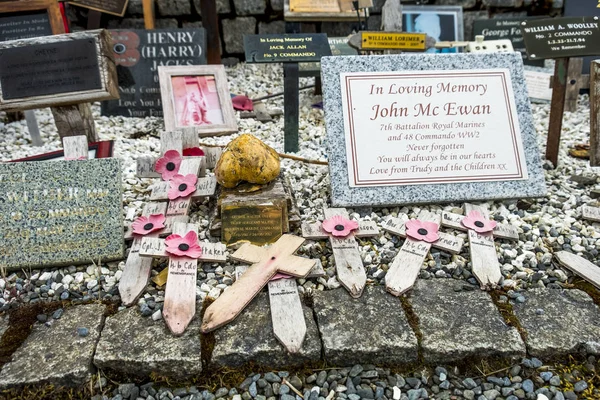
(278, 258)
(404, 270)
(484, 259)
(180, 293)
(350, 270)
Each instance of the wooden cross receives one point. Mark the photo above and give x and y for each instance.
(350, 270)
(579, 265)
(278, 258)
(180, 293)
(590, 213)
(403, 272)
(287, 315)
(137, 270)
(484, 259)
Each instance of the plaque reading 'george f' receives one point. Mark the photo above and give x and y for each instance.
(49, 68)
(60, 213)
(429, 128)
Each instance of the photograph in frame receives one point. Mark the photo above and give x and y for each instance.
(443, 23)
(197, 97)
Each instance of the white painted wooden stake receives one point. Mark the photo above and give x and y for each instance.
(484, 259)
(265, 264)
(32, 126)
(75, 148)
(350, 270)
(180, 293)
(136, 272)
(404, 270)
(590, 213)
(582, 267)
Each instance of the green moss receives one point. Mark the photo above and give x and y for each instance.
(506, 310)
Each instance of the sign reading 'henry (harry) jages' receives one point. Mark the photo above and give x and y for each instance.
(138, 54)
(60, 213)
(562, 37)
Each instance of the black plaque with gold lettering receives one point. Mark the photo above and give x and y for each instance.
(49, 68)
(24, 25)
(561, 37)
(114, 7)
(300, 47)
(259, 224)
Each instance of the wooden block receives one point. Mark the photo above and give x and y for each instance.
(75, 148)
(579, 265)
(74, 120)
(559, 87)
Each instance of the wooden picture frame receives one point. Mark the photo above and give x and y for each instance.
(326, 15)
(96, 5)
(190, 96)
(102, 149)
(107, 87)
(50, 6)
(447, 20)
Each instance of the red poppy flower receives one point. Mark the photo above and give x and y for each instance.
(339, 226)
(474, 220)
(186, 246)
(193, 152)
(422, 230)
(145, 225)
(242, 103)
(182, 186)
(168, 165)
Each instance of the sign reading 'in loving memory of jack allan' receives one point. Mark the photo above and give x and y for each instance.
(413, 129)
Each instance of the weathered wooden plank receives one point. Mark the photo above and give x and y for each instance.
(574, 83)
(447, 242)
(278, 258)
(148, 7)
(155, 247)
(180, 292)
(205, 187)
(172, 140)
(404, 270)
(74, 120)
(557, 106)
(314, 231)
(590, 213)
(137, 269)
(503, 231)
(579, 265)
(292, 107)
(287, 316)
(349, 266)
(33, 128)
(75, 148)
(212, 155)
(484, 259)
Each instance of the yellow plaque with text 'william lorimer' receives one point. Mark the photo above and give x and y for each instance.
(393, 41)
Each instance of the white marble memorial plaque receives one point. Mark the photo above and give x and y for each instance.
(538, 85)
(431, 127)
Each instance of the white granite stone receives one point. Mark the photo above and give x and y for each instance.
(344, 195)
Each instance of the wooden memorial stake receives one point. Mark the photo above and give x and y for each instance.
(404, 270)
(559, 90)
(148, 7)
(210, 22)
(180, 293)
(595, 113)
(34, 129)
(350, 270)
(75, 148)
(590, 213)
(484, 259)
(579, 265)
(265, 264)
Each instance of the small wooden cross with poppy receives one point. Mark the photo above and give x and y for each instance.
(341, 232)
(184, 251)
(481, 230)
(421, 234)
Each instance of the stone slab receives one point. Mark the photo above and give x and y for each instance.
(133, 344)
(461, 325)
(57, 355)
(372, 329)
(250, 337)
(60, 213)
(559, 322)
(344, 195)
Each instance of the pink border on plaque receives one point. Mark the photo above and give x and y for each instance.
(449, 179)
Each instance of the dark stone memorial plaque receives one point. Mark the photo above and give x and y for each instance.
(286, 47)
(259, 224)
(60, 213)
(115, 7)
(579, 8)
(339, 47)
(138, 53)
(561, 37)
(49, 68)
(24, 25)
(506, 28)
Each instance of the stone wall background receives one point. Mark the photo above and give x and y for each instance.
(239, 17)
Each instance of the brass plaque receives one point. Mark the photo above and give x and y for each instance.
(258, 224)
(391, 40)
(314, 6)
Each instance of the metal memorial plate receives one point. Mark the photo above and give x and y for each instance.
(24, 25)
(259, 224)
(114, 7)
(50, 68)
(561, 37)
(286, 47)
(60, 213)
